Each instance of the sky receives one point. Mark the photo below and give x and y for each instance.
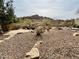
(57, 9)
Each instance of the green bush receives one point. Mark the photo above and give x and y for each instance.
(76, 26)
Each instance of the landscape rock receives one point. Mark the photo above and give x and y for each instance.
(34, 53)
(12, 33)
(76, 34)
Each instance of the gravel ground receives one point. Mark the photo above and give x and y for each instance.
(59, 44)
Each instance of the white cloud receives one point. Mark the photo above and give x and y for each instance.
(51, 8)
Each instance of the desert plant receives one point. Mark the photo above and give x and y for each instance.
(39, 31)
(76, 26)
(47, 23)
(6, 14)
(14, 26)
(25, 21)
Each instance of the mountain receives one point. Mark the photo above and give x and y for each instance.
(37, 17)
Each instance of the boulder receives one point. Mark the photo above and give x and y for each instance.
(76, 34)
(34, 52)
(14, 32)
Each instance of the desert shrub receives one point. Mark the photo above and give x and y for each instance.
(13, 26)
(32, 26)
(76, 26)
(47, 23)
(24, 27)
(39, 31)
(48, 28)
(25, 21)
(59, 28)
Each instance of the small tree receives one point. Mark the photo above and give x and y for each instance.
(6, 14)
(2, 14)
(10, 11)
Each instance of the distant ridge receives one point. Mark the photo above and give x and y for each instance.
(35, 17)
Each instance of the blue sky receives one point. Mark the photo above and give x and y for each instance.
(58, 9)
